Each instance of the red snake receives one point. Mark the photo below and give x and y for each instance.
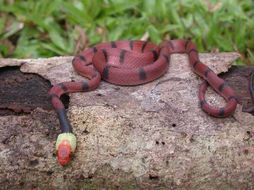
(133, 63)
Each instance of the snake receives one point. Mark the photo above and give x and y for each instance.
(130, 63)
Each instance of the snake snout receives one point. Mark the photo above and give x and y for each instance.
(64, 153)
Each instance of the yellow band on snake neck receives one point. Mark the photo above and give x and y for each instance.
(70, 137)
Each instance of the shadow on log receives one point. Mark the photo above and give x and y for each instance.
(22, 93)
(239, 77)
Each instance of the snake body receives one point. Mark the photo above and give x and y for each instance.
(133, 63)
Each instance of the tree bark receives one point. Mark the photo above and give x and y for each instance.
(152, 136)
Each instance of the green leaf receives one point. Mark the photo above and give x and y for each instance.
(3, 50)
(77, 14)
(53, 48)
(2, 22)
(57, 39)
(154, 34)
(119, 7)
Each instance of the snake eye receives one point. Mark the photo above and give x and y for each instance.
(64, 153)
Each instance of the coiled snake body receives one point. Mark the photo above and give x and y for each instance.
(132, 63)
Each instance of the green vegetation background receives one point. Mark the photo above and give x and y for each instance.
(45, 28)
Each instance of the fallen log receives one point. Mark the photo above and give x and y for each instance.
(152, 136)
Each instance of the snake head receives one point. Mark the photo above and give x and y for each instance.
(64, 152)
(65, 146)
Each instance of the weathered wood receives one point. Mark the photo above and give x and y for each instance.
(151, 136)
(238, 77)
(22, 93)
